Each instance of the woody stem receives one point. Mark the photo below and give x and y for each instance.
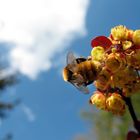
(132, 113)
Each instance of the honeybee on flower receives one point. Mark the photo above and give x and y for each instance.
(113, 65)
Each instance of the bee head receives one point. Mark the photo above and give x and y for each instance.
(67, 74)
(75, 79)
(72, 75)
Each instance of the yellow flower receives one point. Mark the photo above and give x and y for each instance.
(98, 99)
(115, 104)
(115, 62)
(124, 77)
(119, 32)
(133, 59)
(97, 53)
(103, 79)
(136, 37)
(126, 45)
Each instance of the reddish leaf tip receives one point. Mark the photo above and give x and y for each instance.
(101, 41)
(132, 135)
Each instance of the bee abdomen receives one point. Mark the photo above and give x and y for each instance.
(88, 71)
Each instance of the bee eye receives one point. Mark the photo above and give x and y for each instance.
(67, 74)
(70, 72)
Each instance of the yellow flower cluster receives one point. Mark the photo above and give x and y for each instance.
(112, 102)
(121, 33)
(120, 64)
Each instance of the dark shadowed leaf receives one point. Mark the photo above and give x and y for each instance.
(132, 135)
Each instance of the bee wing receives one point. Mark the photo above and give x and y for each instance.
(71, 62)
(81, 88)
(71, 59)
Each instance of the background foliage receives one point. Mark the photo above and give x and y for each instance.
(105, 126)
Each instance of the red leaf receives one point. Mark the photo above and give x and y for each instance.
(132, 135)
(101, 41)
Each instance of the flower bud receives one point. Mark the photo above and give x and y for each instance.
(115, 62)
(115, 104)
(136, 37)
(97, 53)
(99, 99)
(119, 32)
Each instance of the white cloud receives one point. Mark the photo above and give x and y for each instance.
(38, 30)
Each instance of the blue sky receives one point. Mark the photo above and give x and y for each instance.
(50, 108)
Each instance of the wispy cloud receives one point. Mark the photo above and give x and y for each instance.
(39, 30)
(28, 112)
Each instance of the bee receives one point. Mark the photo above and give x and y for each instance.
(80, 72)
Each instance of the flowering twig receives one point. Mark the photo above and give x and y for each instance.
(113, 68)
